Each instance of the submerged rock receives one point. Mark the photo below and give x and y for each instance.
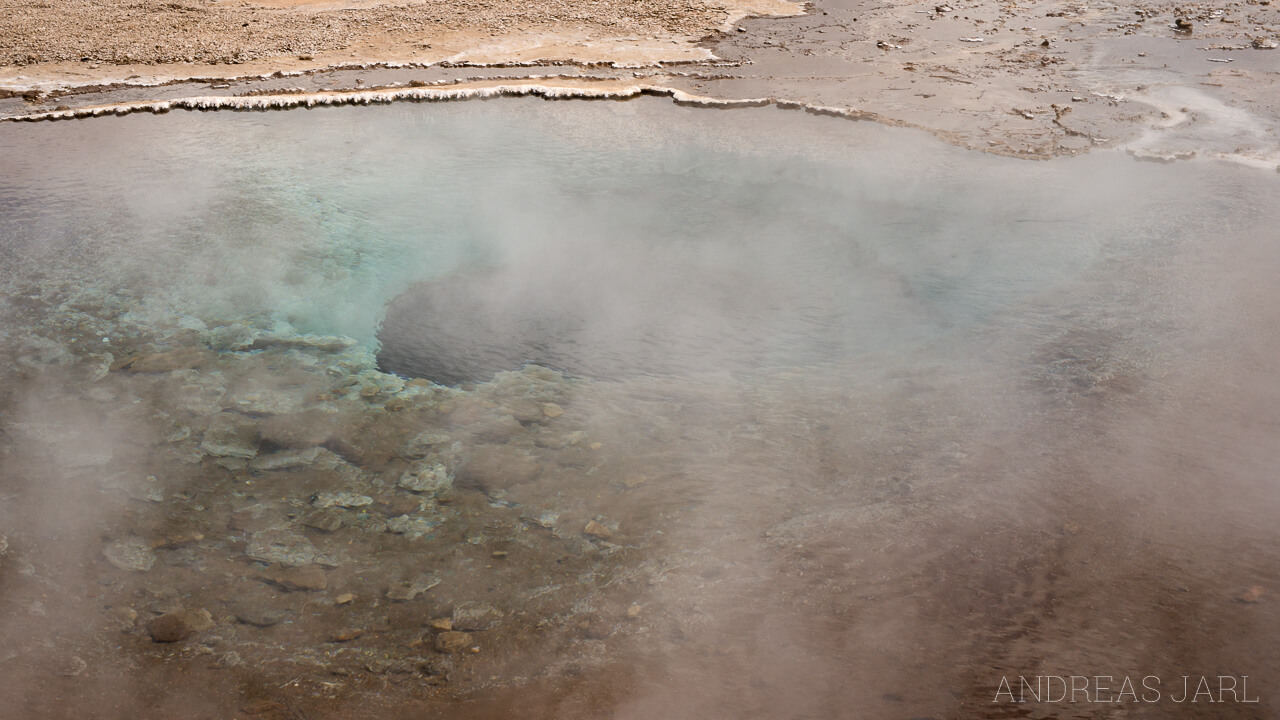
(424, 444)
(304, 578)
(284, 547)
(498, 468)
(169, 628)
(343, 499)
(180, 359)
(426, 477)
(327, 520)
(472, 616)
(257, 612)
(452, 642)
(411, 527)
(133, 554)
(230, 436)
(286, 459)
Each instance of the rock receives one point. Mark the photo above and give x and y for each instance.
(328, 343)
(257, 612)
(346, 635)
(180, 359)
(341, 499)
(441, 623)
(426, 477)
(597, 530)
(256, 518)
(406, 591)
(282, 547)
(306, 429)
(230, 337)
(424, 444)
(229, 660)
(198, 619)
(437, 669)
(633, 612)
(552, 410)
(402, 505)
(286, 459)
(327, 520)
(304, 578)
(452, 642)
(472, 616)
(410, 526)
(344, 599)
(499, 429)
(169, 628)
(122, 619)
(74, 666)
(498, 468)
(230, 436)
(1252, 595)
(177, 538)
(133, 554)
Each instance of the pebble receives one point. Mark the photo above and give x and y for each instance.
(199, 619)
(181, 359)
(498, 468)
(257, 613)
(410, 526)
(286, 459)
(451, 642)
(598, 530)
(424, 444)
(552, 410)
(122, 618)
(472, 616)
(406, 591)
(230, 436)
(1252, 595)
(169, 628)
(281, 547)
(301, 579)
(73, 667)
(133, 554)
(426, 477)
(327, 520)
(344, 599)
(341, 499)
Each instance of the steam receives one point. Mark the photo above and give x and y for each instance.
(848, 421)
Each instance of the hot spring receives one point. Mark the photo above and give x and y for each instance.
(623, 409)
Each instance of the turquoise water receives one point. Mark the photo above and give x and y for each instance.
(925, 416)
(314, 220)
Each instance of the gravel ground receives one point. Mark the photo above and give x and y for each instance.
(152, 32)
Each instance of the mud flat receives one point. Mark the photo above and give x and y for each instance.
(1031, 80)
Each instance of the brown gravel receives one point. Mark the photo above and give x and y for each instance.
(200, 31)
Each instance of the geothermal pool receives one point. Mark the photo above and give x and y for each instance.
(624, 409)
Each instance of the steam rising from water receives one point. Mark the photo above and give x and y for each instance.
(971, 404)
